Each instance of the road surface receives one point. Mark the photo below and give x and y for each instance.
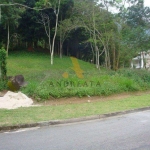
(126, 132)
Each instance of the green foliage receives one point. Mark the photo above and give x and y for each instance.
(10, 14)
(142, 77)
(83, 27)
(43, 4)
(46, 81)
(3, 85)
(3, 68)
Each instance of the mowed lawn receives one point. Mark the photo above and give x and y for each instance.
(66, 111)
(35, 66)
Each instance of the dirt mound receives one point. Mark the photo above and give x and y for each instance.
(13, 100)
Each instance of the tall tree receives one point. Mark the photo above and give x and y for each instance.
(30, 31)
(55, 5)
(137, 18)
(100, 25)
(9, 17)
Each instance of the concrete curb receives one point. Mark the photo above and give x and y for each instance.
(74, 120)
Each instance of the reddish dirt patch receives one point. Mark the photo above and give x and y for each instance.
(30, 49)
(77, 100)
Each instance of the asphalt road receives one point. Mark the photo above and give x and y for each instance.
(127, 132)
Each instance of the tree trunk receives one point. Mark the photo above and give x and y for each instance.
(8, 39)
(114, 58)
(118, 58)
(98, 60)
(60, 47)
(52, 61)
(49, 40)
(95, 44)
(56, 26)
(92, 61)
(106, 64)
(96, 57)
(109, 66)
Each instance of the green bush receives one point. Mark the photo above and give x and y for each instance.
(3, 68)
(101, 85)
(140, 77)
(3, 85)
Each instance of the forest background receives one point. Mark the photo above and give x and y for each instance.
(85, 29)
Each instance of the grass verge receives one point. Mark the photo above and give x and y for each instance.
(45, 113)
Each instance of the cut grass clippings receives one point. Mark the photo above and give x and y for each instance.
(46, 113)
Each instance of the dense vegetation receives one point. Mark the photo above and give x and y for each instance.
(55, 30)
(3, 69)
(86, 29)
(46, 81)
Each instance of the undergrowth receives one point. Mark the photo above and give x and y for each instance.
(46, 81)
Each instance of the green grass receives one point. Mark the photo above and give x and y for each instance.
(46, 81)
(45, 113)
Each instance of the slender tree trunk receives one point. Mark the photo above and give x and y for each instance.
(49, 39)
(107, 57)
(118, 58)
(98, 60)
(60, 43)
(109, 66)
(114, 58)
(61, 49)
(52, 61)
(8, 38)
(56, 26)
(92, 61)
(106, 64)
(94, 38)
(48, 33)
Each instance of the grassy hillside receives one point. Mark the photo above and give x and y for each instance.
(30, 64)
(46, 81)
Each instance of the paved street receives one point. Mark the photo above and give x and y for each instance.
(127, 132)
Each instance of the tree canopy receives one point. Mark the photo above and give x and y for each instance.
(85, 29)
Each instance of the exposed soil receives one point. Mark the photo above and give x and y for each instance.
(2, 93)
(77, 100)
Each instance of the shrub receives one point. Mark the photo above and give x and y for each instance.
(3, 68)
(3, 85)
